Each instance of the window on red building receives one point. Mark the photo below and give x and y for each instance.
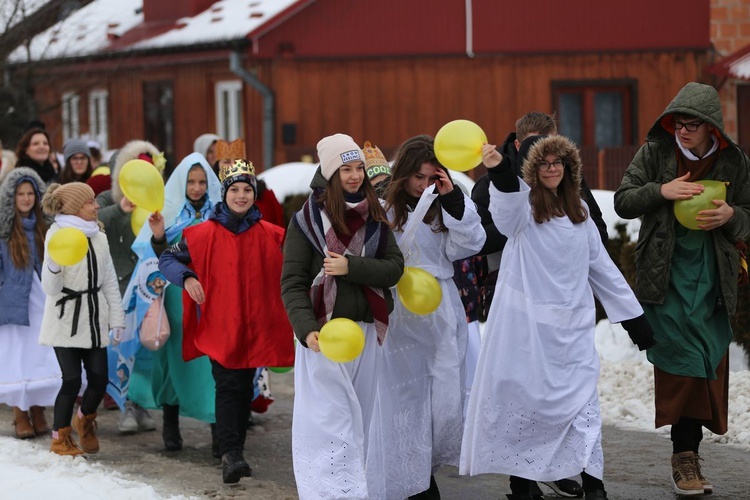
(596, 113)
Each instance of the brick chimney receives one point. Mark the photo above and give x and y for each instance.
(160, 11)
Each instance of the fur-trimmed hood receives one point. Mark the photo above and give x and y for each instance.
(129, 151)
(8, 195)
(557, 145)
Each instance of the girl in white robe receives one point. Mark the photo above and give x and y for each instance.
(421, 389)
(29, 374)
(340, 259)
(534, 409)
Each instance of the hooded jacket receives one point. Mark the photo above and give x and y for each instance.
(115, 220)
(15, 284)
(555, 145)
(639, 195)
(480, 195)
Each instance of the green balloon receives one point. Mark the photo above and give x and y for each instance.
(687, 210)
(277, 369)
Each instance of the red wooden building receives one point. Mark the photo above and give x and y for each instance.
(380, 71)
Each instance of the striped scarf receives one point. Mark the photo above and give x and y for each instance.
(366, 239)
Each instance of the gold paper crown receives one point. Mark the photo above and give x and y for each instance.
(238, 167)
(230, 150)
(373, 156)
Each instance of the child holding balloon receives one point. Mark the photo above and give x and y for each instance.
(169, 382)
(422, 384)
(29, 376)
(230, 268)
(83, 304)
(687, 276)
(340, 258)
(534, 410)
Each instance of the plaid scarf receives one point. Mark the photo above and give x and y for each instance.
(366, 239)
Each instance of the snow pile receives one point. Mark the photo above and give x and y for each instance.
(626, 388)
(29, 471)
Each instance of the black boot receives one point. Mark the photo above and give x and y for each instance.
(171, 430)
(215, 450)
(234, 467)
(431, 493)
(523, 489)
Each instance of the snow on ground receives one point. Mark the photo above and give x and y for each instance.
(626, 392)
(626, 388)
(28, 471)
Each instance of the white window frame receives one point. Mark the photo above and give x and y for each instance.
(229, 106)
(98, 117)
(70, 116)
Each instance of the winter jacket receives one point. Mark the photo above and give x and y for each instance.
(44, 170)
(302, 263)
(83, 301)
(15, 284)
(639, 195)
(120, 236)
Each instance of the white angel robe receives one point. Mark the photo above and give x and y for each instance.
(534, 408)
(333, 406)
(29, 373)
(419, 422)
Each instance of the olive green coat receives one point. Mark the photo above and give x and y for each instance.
(639, 195)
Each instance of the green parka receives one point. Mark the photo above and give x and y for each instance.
(302, 263)
(639, 195)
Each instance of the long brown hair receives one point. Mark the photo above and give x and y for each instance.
(17, 243)
(409, 159)
(332, 199)
(68, 174)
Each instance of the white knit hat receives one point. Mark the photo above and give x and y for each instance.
(334, 151)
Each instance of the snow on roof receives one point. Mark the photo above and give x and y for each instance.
(741, 67)
(84, 31)
(224, 20)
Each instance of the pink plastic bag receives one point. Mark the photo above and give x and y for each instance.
(155, 326)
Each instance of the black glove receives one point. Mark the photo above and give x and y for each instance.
(640, 332)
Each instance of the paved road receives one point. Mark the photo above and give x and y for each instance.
(636, 464)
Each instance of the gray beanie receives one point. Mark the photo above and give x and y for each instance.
(74, 147)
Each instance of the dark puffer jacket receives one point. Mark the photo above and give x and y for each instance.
(639, 195)
(302, 263)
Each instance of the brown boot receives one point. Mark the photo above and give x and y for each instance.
(64, 443)
(86, 429)
(707, 486)
(24, 430)
(38, 420)
(684, 474)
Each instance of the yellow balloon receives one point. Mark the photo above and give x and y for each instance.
(687, 210)
(68, 246)
(341, 340)
(143, 185)
(419, 291)
(138, 218)
(458, 145)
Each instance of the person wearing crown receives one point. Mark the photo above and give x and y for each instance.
(221, 264)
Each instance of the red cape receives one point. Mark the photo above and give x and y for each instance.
(242, 323)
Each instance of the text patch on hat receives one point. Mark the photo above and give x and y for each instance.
(348, 156)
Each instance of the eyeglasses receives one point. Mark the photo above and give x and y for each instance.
(690, 126)
(79, 158)
(545, 166)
